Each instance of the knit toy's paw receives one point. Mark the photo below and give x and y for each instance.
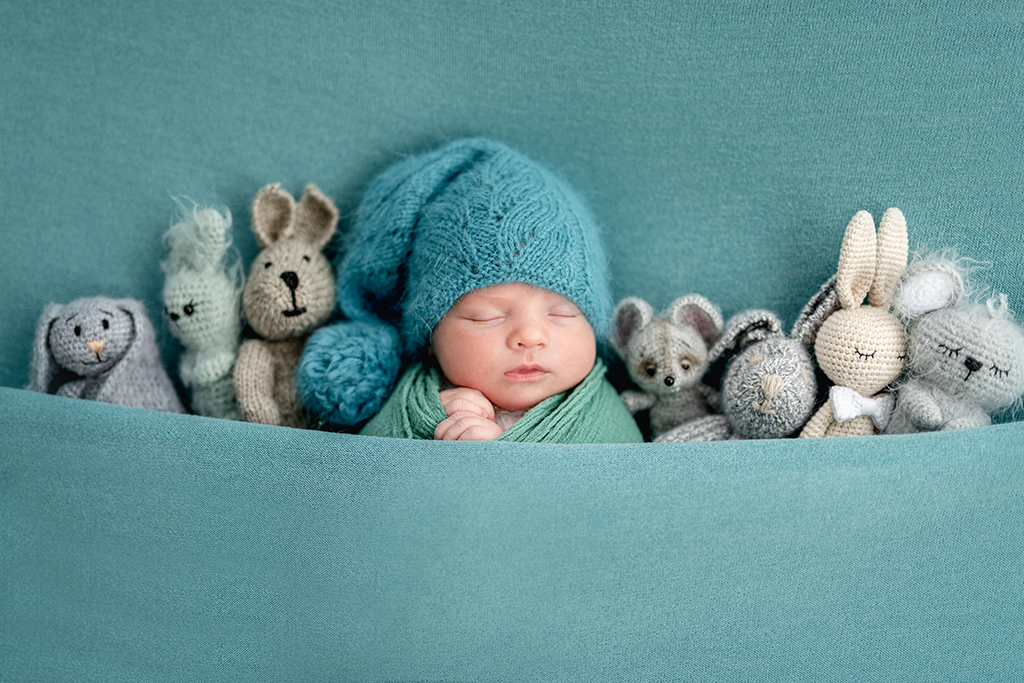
(347, 371)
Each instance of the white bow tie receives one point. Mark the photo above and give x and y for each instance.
(848, 404)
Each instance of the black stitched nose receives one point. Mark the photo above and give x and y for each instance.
(290, 279)
(972, 364)
(670, 380)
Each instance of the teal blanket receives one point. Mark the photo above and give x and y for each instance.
(590, 413)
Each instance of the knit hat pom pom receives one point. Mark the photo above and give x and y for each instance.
(347, 371)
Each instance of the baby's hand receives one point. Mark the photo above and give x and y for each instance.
(470, 417)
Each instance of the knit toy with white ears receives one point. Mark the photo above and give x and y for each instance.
(202, 302)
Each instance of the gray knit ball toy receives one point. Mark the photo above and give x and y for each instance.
(965, 360)
(104, 350)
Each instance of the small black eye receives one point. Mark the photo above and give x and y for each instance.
(189, 308)
(106, 324)
(306, 259)
(865, 355)
(650, 370)
(998, 372)
(78, 331)
(950, 351)
(267, 265)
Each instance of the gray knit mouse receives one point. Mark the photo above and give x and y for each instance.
(290, 292)
(667, 356)
(101, 349)
(965, 360)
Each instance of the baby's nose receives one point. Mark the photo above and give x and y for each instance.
(529, 334)
(95, 345)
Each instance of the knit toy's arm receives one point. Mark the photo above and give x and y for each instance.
(635, 401)
(921, 408)
(816, 426)
(254, 384)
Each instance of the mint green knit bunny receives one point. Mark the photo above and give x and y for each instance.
(202, 302)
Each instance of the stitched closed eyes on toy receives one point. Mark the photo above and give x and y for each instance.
(862, 348)
(290, 292)
(202, 302)
(101, 349)
(965, 360)
(667, 356)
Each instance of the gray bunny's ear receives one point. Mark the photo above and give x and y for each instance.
(744, 329)
(43, 369)
(821, 306)
(631, 315)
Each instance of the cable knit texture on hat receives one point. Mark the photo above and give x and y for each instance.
(435, 227)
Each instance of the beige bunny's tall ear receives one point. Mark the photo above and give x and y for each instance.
(273, 215)
(857, 259)
(693, 310)
(892, 256)
(631, 315)
(316, 217)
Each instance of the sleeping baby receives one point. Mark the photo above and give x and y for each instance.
(481, 275)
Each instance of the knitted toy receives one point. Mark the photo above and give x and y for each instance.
(862, 349)
(290, 293)
(965, 360)
(768, 385)
(667, 356)
(202, 301)
(101, 349)
(428, 230)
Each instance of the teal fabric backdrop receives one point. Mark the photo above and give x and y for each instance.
(723, 147)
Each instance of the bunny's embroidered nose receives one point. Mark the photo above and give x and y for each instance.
(95, 345)
(290, 279)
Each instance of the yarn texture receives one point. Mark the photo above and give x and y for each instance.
(202, 303)
(101, 349)
(290, 293)
(428, 230)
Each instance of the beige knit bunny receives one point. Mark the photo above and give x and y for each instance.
(862, 348)
(290, 293)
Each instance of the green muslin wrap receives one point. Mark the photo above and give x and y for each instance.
(589, 413)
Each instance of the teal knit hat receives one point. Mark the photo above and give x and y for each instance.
(435, 227)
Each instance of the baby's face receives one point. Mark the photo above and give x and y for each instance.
(515, 344)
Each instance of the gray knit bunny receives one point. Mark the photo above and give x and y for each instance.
(667, 356)
(768, 384)
(101, 349)
(965, 360)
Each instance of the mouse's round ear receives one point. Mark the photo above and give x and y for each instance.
(892, 256)
(743, 330)
(927, 286)
(693, 310)
(857, 261)
(44, 368)
(273, 215)
(630, 316)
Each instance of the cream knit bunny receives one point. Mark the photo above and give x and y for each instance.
(862, 348)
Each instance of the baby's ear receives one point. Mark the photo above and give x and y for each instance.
(693, 310)
(631, 315)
